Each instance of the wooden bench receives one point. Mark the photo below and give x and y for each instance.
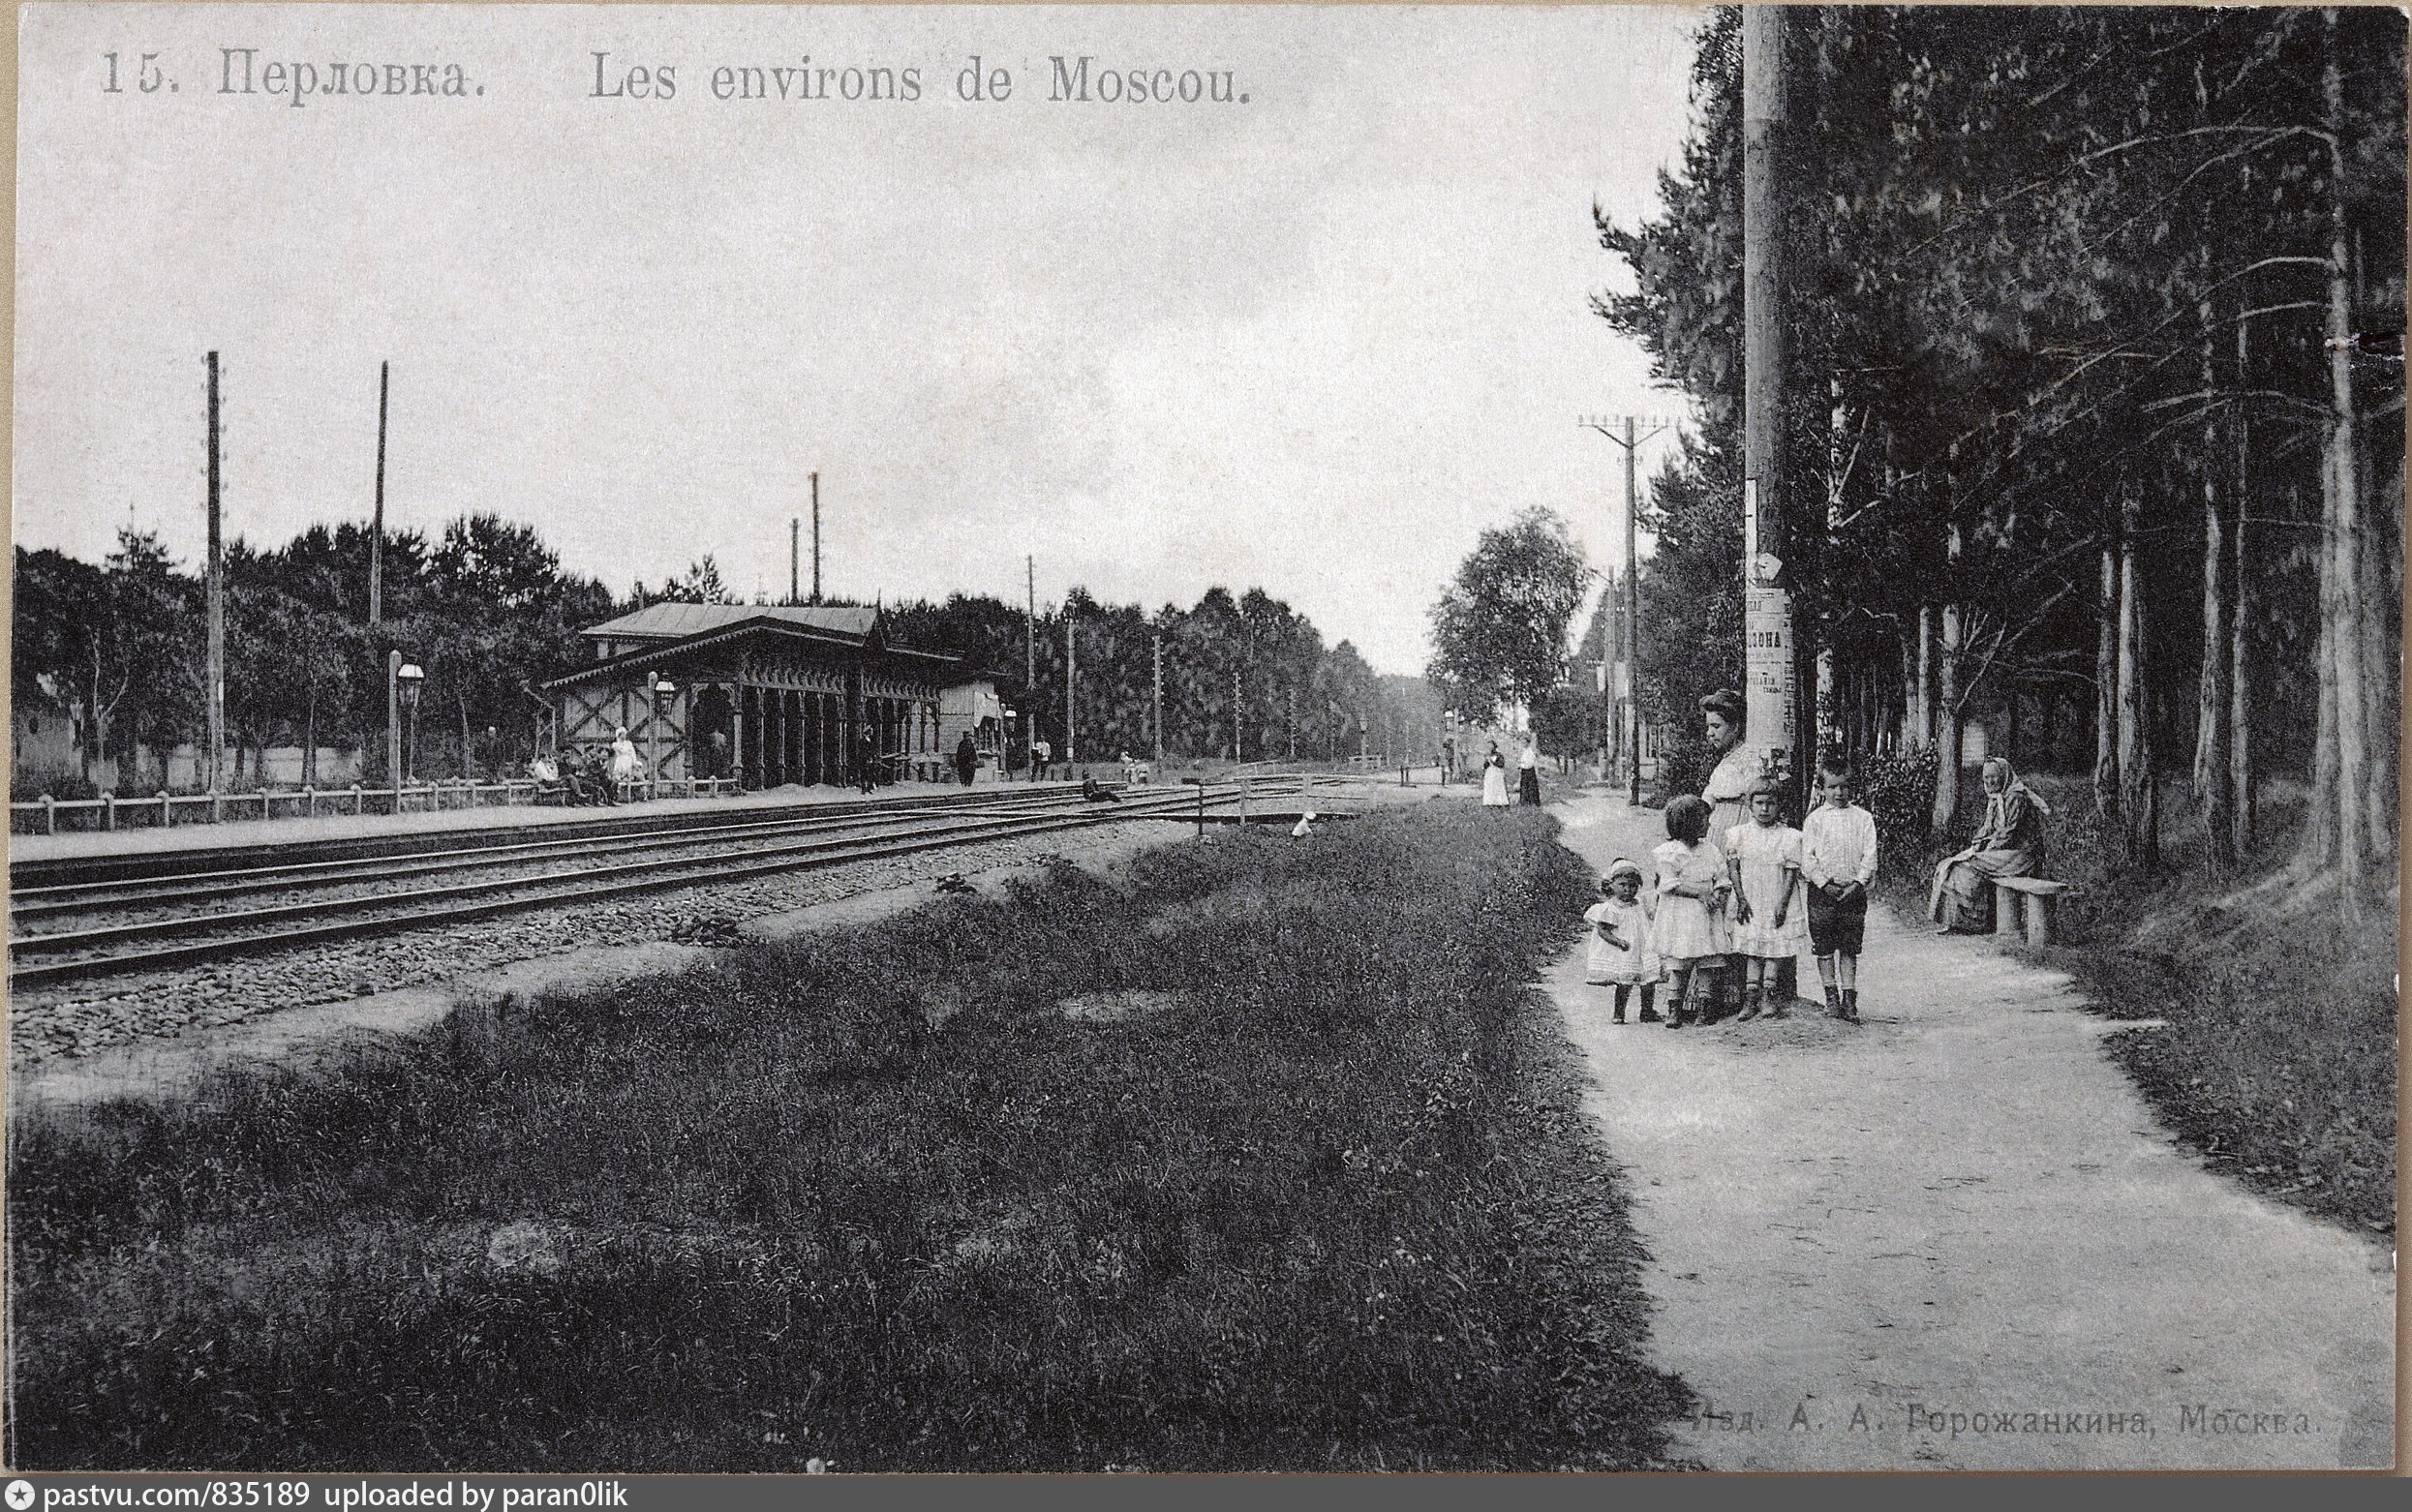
(2024, 906)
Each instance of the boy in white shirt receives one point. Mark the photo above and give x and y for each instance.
(1837, 860)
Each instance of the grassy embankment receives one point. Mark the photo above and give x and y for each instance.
(880, 1201)
(2278, 1062)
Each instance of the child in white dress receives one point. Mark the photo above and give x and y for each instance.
(1769, 925)
(1621, 956)
(1689, 930)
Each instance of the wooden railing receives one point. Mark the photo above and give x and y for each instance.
(111, 811)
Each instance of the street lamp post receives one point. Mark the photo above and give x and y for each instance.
(393, 725)
(1008, 734)
(662, 687)
(409, 675)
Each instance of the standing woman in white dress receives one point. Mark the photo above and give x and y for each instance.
(1494, 779)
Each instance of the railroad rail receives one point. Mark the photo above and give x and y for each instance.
(107, 925)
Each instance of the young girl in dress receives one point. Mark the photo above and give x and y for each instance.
(1769, 924)
(1689, 929)
(1621, 956)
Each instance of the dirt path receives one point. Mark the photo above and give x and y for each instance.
(1937, 1239)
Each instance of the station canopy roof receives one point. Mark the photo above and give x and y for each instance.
(675, 621)
(659, 634)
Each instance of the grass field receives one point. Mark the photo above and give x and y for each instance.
(1322, 1198)
(2278, 1058)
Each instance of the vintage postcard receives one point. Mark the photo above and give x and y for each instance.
(993, 739)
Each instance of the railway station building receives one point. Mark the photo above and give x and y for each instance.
(769, 693)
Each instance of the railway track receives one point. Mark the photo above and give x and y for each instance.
(100, 925)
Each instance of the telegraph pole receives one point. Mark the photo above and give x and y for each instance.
(1623, 431)
(1235, 716)
(817, 537)
(795, 558)
(1071, 673)
(1030, 632)
(217, 599)
(376, 522)
(1159, 698)
(1767, 599)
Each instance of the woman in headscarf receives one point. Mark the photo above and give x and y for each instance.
(1737, 770)
(2010, 843)
(1494, 778)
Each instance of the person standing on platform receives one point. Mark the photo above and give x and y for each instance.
(966, 758)
(1528, 774)
(1690, 933)
(1041, 754)
(1621, 956)
(626, 765)
(1494, 778)
(1764, 859)
(1837, 860)
(867, 760)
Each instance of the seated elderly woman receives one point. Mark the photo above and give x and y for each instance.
(2010, 843)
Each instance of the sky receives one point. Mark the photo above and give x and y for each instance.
(1315, 341)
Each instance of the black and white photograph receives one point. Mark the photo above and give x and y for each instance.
(771, 741)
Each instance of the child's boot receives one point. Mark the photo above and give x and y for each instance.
(1649, 1009)
(1620, 1005)
(1834, 1001)
(1850, 1005)
(1751, 1004)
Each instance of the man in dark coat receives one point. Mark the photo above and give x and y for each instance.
(966, 758)
(867, 759)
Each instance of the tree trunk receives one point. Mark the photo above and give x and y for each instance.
(310, 739)
(1947, 702)
(2106, 689)
(2139, 798)
(1922, 709)
(2345, 693)
(2213, 803)
(2241, 815)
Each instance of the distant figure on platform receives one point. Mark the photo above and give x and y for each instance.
(720, 753)
(2010, 843)
(1041, 753)
(1528, 774)
(626, 766)
(1494, 778)
(597, 780)
(966, 758)
(867, 760)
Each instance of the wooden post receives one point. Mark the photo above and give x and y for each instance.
(216, 692)
(817, 537)
(377, 519)
(1159, 699)
(1769, 646)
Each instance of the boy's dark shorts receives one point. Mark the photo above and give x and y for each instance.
(1837, 926)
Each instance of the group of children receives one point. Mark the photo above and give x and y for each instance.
(1751, 903)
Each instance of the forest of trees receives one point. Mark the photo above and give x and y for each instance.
(487, 610)
(1295, 696)
(2082, 441)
